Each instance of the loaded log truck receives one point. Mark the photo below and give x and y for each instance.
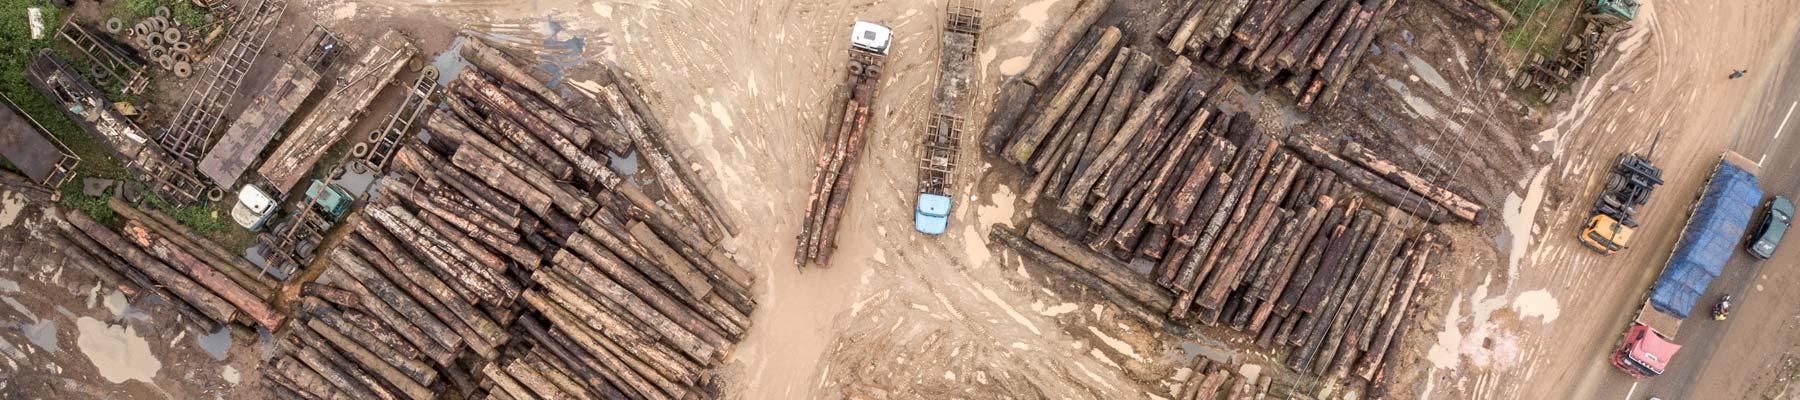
(1715, 227)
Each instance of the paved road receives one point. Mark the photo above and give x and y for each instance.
(1719, 355)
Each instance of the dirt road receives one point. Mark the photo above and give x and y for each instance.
(1541, 327)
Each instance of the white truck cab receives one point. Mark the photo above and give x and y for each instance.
(254, 207)
(870, 37)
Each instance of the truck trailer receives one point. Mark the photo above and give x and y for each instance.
(1715, 227)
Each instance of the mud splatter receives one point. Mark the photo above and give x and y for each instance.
(1537, 303)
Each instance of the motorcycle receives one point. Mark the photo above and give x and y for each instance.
(1723, 309)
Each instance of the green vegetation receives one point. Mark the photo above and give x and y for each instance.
(17, 49)
(1544, 25)
(182, 12)
(211, 220)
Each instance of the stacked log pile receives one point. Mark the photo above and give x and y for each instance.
(154, 256)
(1306, 250)
(1309, 47)
(504, 256)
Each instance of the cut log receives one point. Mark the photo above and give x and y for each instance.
(1187, 194)
(1068, 144)
(1068, 91)
(1009, 107)
(1473, 12)
(1124, 97)
(1397, 310)
(203, 274)
(1059, 43)
(1457, 205)
(411, 386)
(1118, 275)
(1003, 234)
(1368, 181)
(493, 174)
(666, 170)
(1307, 39)
(398, 300)
(1172, 79)
(471, 282)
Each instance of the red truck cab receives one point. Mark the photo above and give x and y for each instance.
(1644, 352)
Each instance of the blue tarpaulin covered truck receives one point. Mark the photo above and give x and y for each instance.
(1715, 228)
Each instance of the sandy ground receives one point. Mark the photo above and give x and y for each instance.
(1538, 325)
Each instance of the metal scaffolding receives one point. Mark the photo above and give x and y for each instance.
(201, 113)
(380, 148)
(117, 62)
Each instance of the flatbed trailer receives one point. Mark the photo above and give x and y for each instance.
(31, 148)
(1712, 235)
(942, 139)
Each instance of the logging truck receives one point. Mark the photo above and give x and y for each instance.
(1715, 224)
(943, 133)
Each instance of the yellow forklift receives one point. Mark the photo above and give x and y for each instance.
(1628, 187)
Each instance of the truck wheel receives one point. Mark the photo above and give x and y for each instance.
(856, 69)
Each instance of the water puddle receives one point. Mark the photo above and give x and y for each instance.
(10, 206)
(42, 334)
(1429, 74)
(1519, 215)
(216, 344)
(120, 307)
(1035, 16)
(450, 62)
(116, 351)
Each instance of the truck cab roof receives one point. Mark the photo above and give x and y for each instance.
(1647, 350)
(871, 37)
(932, 215)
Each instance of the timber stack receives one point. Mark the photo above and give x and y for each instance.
(1308, 47)
(154, 256)
(1133, 163)
(502, 256)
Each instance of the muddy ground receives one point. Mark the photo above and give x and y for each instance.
(902, 315)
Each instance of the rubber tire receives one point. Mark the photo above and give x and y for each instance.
(114, 25)
(360, 150)
(215, 194)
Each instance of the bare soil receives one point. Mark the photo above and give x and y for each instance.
(901, 315)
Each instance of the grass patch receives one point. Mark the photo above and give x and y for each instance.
(1544, 25)
(183, 13)
(17, 49)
